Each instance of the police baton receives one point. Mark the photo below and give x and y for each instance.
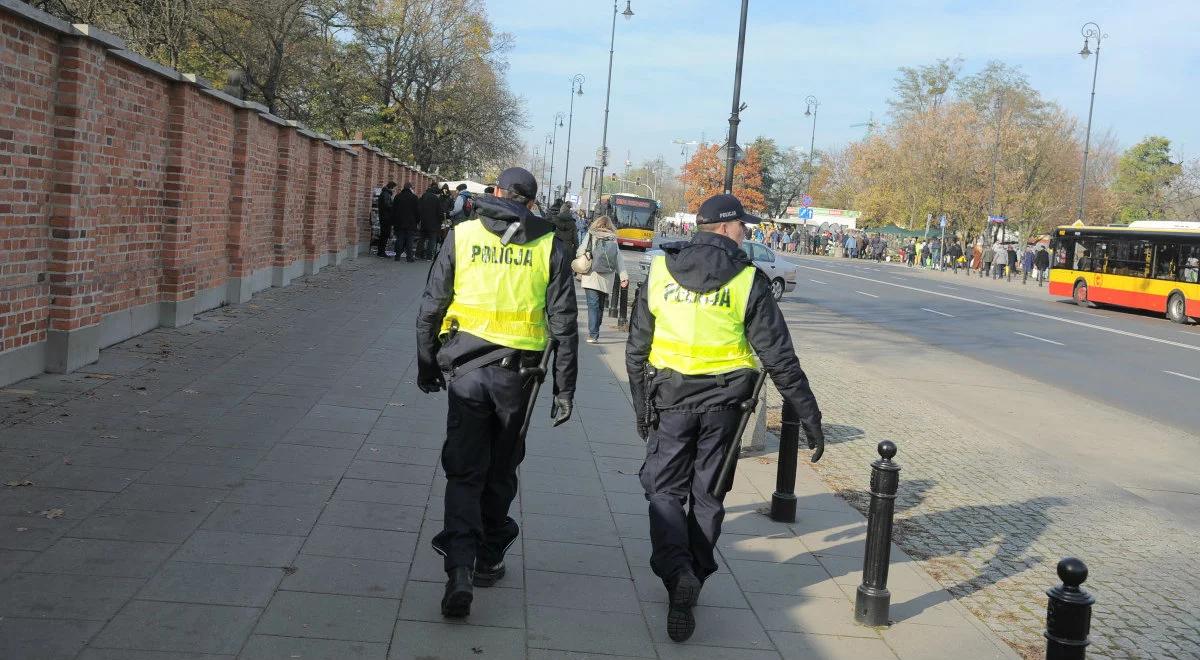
(724, 479)
(538, 374)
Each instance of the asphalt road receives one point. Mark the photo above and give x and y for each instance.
(1132, 361)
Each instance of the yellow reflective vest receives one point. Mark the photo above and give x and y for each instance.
(499, 290)
(697, 334)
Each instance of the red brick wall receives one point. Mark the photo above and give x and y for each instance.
(28, 68)
(130, 169)
(123, 184)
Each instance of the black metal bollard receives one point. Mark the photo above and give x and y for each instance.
(873, 599)
(783, 501)
(619, 303)
(1068, 613)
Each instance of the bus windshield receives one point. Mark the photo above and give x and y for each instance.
(633, 213)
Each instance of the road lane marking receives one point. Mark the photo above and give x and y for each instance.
(1007, 298)
(1048, 341)
(867, 294)
(1018, 310)
(817, 281)
(1176, 373)
(934, 311)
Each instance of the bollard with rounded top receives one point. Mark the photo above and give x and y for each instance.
(783, 500)
(1068, 613)
(873, 599)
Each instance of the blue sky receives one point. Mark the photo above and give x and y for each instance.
(673, 68)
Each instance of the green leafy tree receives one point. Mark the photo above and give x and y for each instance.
(1144, 176)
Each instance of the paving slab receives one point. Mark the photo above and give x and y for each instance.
(329, 616)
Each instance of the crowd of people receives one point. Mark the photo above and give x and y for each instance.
(414, 225)
(995, 260)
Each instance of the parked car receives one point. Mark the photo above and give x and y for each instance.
(782, 273)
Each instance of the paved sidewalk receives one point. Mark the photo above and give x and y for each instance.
(263, 484)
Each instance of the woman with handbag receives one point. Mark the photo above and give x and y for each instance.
(598, 261)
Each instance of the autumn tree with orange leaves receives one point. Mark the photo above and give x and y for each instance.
(704, 176)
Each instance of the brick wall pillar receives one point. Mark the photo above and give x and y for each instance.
(355, 196)
(338, 174)
(73, 332)
(239, 285)
(176, 293)
(316, 207)
(282, 259)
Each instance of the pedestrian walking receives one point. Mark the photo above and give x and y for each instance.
(500, 289)
(384, 213)
(1026, 264)
(1012, 261)
(429, 217)
(850, 246)
(691, 362)
(988, 254)
(404, 223)
(1041, 261)
(462, 207)
(606, 264)
(564, 224)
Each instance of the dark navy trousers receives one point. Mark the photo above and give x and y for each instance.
(483, 449)
(683, 456)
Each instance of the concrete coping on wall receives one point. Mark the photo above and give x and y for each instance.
(107, 38)
(197, 80)
(137, 59)
(341, 145)
(231, 100)
(307, 133)
(274, 119)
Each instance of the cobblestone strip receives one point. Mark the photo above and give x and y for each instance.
(987, 520)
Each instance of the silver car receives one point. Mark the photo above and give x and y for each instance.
(782, 273)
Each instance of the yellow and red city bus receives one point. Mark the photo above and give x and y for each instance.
(634, 218)
(1149, 265)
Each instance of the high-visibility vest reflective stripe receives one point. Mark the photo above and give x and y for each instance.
(500, 290)
(697, 334)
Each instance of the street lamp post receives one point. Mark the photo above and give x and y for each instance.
(811, 110)
(628, 14)
(558, 121)
(576, 81)
(731, 147)
(1089, 30)
(549, 141)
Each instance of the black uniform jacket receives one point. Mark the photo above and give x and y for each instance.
(496, 215)
(704, 265)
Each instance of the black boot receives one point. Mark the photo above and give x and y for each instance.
(457, 601)
(684, 593)
(487, 575)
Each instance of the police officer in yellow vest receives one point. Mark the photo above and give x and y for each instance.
(706, 322)
(500, 289)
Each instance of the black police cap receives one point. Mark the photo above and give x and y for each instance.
(724, 208)
(518, 180)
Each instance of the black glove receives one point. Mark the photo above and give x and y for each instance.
(560, 410)
(643, 431)
(816, 440)
(430, 383)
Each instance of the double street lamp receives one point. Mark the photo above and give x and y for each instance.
(628, 14)
(1089, 31)
(576, 90)
(811, 111)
